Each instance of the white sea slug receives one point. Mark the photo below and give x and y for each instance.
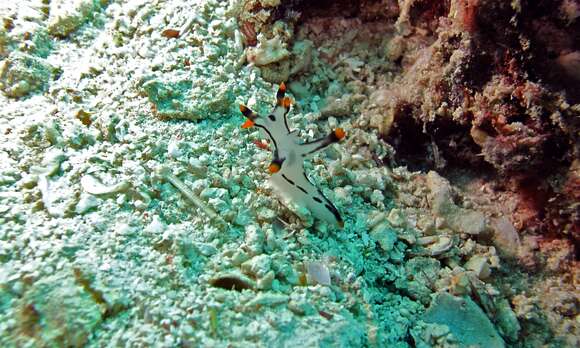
(288, 154)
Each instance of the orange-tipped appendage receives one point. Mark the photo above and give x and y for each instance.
(282, 87)
(274, 168)
(339, 133)
(243, 108)
(248, 124)
(286, 102)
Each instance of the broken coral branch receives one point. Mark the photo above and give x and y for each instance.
(166, 174)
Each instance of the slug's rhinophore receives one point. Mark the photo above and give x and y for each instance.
(288, 154)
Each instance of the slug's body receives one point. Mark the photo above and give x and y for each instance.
(288, 152)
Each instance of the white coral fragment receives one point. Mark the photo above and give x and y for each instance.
(318, 273)
(93, 186)
(436, 245)
(459, 219)
(480, 265)
(267, 52)
(166, 174)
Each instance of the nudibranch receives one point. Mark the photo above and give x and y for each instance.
(288, 153)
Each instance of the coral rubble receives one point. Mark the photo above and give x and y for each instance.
(133, 210)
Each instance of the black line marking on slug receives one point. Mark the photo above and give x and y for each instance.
(323, 196)
(324, 144)
(333, 211)
(272, 117)
(302, 189)
(289, 181)
(286, 120)
(317, 199)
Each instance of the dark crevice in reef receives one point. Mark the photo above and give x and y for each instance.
(424, 13)
(320, 8)
(552, 40)
(497, 41)
(330, 8)
(455, 146)
(231, 283)
(366, 10)
(477, 74)
(441, 145)
(410, 144)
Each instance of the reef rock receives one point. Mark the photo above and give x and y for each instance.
(459, 219)
(57, 311)
(21, 74)
(466, 321)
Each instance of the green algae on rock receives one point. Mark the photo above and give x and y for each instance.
(57, 311)
(466, 321)
(22, 74)
(181, 100)
(66, 16)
